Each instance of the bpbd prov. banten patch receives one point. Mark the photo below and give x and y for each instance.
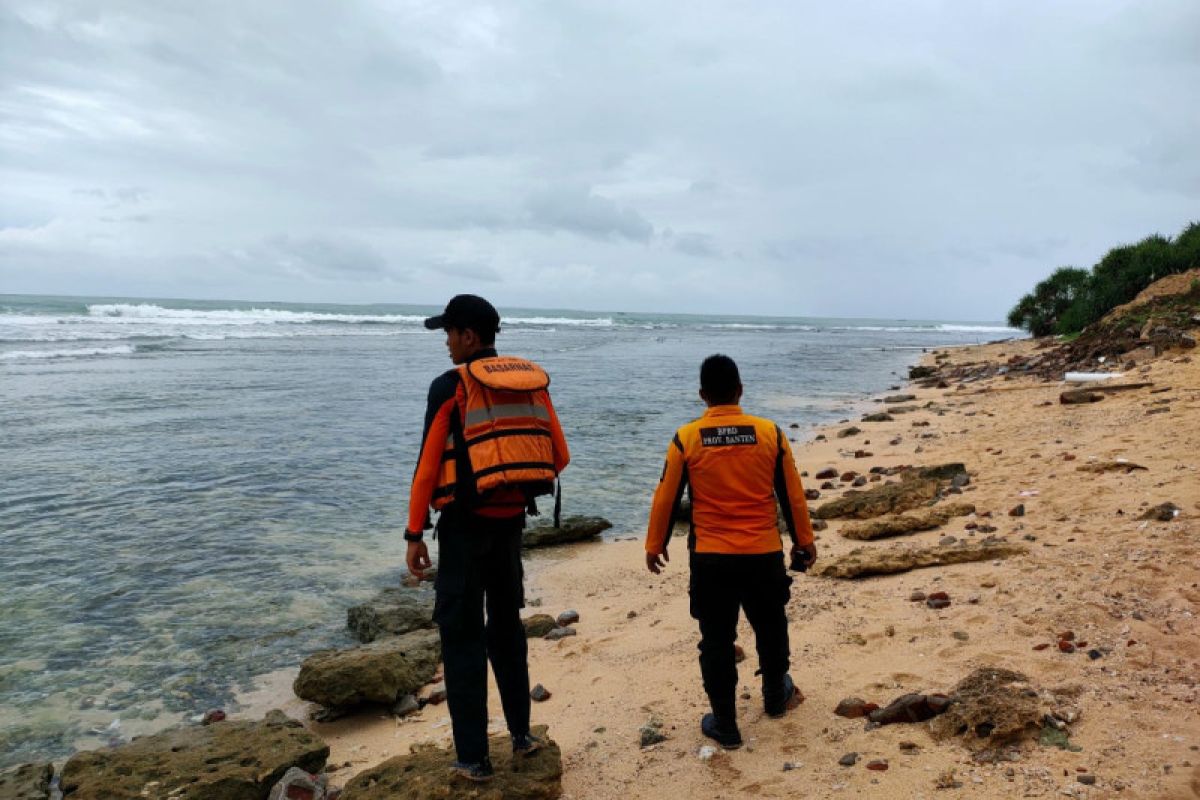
(727, 435)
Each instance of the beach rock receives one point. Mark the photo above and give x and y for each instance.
(408, 704)
(818, 524)
(568, 617)
(854, 708)
(859, 481)
(297, 784)
(1017, 510)
(380, 672)
(812, 494)
(391, 612)
(827, 485)
(538, 625)
(848, 760)
(879, 416)
(848, 476)
(651, 733)
(1164, 512)
(990, 706)
(540, 693)
(433, 694)
(917, 373)
(914, 707)
(559, 633)
(863, 562)
(425, 773)
(941, 472)
(910, 522)
(900, 398)
(879, 500)
(878, 765)
(938, 600)
(917, 596)
(863, 454)
(572, 529)
(1078, 397)
(1098, 467)
(825, 474)
(230, 761)
(26, 782)
(845, 432)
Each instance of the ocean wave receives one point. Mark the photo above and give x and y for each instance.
(587, 322)
(140, 313)
(78, 352)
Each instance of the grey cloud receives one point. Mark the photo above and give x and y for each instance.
(476, 272)
(700, 245)
(318, 257)
(578, 210)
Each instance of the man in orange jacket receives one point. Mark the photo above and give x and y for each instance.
(734, 466)
(490, 415)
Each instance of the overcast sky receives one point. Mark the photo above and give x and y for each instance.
(895, 159)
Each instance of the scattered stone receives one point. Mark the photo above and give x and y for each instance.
(854, 708)
(909, 747)
(425, 773)
(878, 765)
(568, 617)
(917, 596)
(236, 759)
(1067, 636)
(379, 672)
(962, 636)
(947, 780)
(859, 481)
(739, 655)
(828, 472)
(651, 733)
(559, 633)
(1164, 512)
(26, 782)
(1086, 780)
(938, 600)
(863, 454)
(1041, 646)
(571, 529)
(847, 432)
(540, 693)
(406, 705)
(213, 715)
(867, 561)
(538, 625)
(1065, 646)
(848, 760)
(1095, 654)
(433, 694)
(297, 784)
(818, 524)
(878, 417)
(391, 612)
(1076, 397)
(900, 398)
(811, 494)
(848, 476)
(1110, 466)
(827, 485)
(888, 498)
(1017, 510)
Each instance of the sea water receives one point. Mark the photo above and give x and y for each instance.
(193, 492)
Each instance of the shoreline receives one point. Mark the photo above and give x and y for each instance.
(1139, 718)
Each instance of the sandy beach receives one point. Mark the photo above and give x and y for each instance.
(1127, 588)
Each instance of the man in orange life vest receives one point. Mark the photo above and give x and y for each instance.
(491, 444)
(734, 466)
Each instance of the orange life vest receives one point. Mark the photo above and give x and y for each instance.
(507, 430)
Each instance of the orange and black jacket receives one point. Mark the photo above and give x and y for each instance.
(444, 472)
(734, 466)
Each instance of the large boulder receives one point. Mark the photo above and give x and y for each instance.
(390, 613)
(225, 761)
(379, 672)
(425, 773)
(26, 782)
(863, 562)
(923, 519)
(570, 529)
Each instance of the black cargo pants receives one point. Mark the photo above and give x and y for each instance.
(479, 565)
(721, 585)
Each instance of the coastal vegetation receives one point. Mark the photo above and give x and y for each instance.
(1072, 298)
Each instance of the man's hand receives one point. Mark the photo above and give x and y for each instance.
(418, 559)
(807, 553)
(657, 562)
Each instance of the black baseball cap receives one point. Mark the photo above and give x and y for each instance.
(467, 311)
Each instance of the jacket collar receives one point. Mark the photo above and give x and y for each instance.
(723, 411)
(486, 352)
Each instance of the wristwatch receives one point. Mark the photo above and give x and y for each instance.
(409, 536)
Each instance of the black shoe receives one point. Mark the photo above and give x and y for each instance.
(777, 702)
(726, 735)
(478, 772)
(526, 744)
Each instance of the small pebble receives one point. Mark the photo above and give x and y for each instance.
(848, 760)
(540, 693)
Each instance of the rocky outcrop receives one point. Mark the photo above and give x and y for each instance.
(866, 561)
(571, 529)
(26, 782)
(224, 761)
(425, 773)
(380, 672)
(924, 519)
(989, 707)
(889, 498)
(390, 613)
